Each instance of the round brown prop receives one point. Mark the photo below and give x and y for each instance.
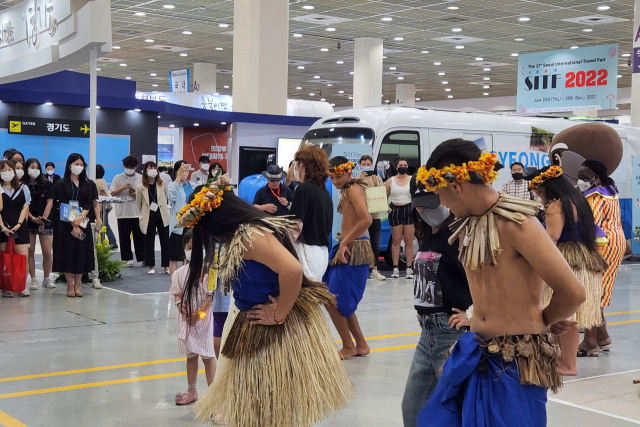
(593, 141)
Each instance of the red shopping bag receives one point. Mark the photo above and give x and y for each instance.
(14, 269)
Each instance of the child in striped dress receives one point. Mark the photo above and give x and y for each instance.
(195, 335)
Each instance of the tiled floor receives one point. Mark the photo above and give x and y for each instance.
(111, 359)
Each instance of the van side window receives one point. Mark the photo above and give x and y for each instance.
(404, 144)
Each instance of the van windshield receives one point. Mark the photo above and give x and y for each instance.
(339, 135)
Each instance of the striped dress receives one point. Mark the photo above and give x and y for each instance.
(606, 212)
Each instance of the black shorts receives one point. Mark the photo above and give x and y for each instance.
(400, 215)
(176, 252)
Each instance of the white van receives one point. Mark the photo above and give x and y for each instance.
(413, 132)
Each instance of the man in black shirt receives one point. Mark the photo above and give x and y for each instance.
(275, 197)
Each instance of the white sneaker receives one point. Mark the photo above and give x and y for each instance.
(395, 274)
(96, 284)
(130, 263)
(34, 284)
(375, 275)
(25, 293)
(409, 275)
(47, 283)
(166, 270)
(152, 271)
(7, 294)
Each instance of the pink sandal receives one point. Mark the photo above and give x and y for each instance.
(186, 398)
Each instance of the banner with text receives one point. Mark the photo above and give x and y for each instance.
(568, 80)
(179, 80)
(48, 127)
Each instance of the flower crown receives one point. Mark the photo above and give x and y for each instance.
(343, 169)
(551, 173)
(207, 199)
(482, 171)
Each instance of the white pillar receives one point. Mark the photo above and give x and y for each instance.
(406, 94)
(367, 68)
(204, 77)
(260, 56)
(93, 100)
(635, 76)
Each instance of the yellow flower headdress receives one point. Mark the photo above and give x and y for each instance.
(206, 200)
(552, 172)
(482, 171)
(343, 169)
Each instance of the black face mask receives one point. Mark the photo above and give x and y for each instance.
(517, 176)
(403, 171)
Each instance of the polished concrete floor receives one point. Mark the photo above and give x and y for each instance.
(110, 359)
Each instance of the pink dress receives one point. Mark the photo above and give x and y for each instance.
(196, 338)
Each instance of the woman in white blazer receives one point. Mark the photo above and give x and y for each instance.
(151, 196)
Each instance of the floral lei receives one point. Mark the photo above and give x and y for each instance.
(551, 173)
(206, 200)
(482, 171)
(343, 169)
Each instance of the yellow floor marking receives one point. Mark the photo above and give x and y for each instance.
(396, 347)
(381, 337)
(622, 312)
(8, 421)
(623, 322)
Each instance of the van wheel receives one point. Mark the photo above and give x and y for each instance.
(402, 264)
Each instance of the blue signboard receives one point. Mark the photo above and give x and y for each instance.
(635, 192)
(568, 80)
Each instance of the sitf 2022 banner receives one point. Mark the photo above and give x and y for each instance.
(568, 79)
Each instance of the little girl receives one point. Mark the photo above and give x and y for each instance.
(195, 335)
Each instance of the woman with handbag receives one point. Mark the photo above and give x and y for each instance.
(14, 208)
(400, 219)
(151, 197)
(371, 178)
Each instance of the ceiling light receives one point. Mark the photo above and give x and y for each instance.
(152, 60)
(137, 110)
(437, 63)
(322, 99)
(48, 103)
(392, 68)
(98, 69)
(351, 97)
(445, 83)
(519, 39)
(331, 29)
(297, 35)
(223, 25)
(417, 99)
(456, 29)
(219, 48)
(486, 94)
(486, 69)
(340, 91)
(223, 123)
(441, 74)
(324, 49)
(123, 65)
(459, 47)
(154, 85)
(216, 93)
(128, 78)
(316, 77)
(298, 88)
(169, 6)
(575, 47)
(97, 107)
(604, 7)
(155, 91)
(398, 39)
(187, 32)
(159, 117)
(523, 19)
(153, 74)
(172, 126)
(384, 57)
(618, 76)
(312, 94)
(300, 67)
(450, 96)
(140, 14)
(514, 54)
(447, 90)
(226, 87)
(387, 19)
(115, 47)
(329, 85)
(425, 51)
(626, 54)
(340, 62)
(183, 54)
(308, 7)
(487, 78)
(587, 30)
(400, 78)
(352, 73)
(333, 105)
(453, 8)
(149, 40)
(196, 124)
(486, 87)
(479, 58)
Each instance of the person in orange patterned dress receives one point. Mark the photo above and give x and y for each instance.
(602, 194)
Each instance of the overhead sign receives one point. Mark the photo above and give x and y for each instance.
(195, 100)
(568, 80)
(179, 80)
(39, 37)
(48, 127)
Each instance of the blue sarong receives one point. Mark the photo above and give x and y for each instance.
(466, 396)
(346, 282)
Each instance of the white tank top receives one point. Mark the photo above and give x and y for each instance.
(400, 195)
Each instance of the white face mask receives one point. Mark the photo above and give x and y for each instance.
(296, 172)
(20, 173)
(129, 172)
(50, 172)
(435, 217)
(34, 173)
(7, 176)
(204, 166)
(583, 185)
(76, 169)
(152, 173)
(187, 255)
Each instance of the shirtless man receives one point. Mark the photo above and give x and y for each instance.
(348, 269)
(506, 286)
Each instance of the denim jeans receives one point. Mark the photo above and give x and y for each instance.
(435, 341)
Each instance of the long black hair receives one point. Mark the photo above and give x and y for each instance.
(570, 197)
(212, 167)
(216, 228)
(41, 181)
(82, 178)
(600, 170)
(424, 231)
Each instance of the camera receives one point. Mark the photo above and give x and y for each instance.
(339, 46)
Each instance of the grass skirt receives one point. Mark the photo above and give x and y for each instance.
(588, 267)
(288, 375)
